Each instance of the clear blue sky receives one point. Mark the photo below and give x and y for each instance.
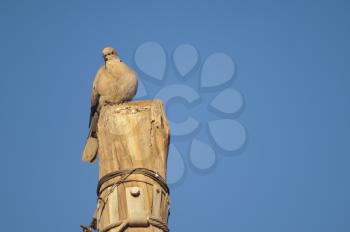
(293, 68)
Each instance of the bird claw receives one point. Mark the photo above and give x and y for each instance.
(86, 229)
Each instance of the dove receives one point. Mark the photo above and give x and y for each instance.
(115, 82)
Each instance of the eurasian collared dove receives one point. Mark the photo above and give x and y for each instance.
(115, 83)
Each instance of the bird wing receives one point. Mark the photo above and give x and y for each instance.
(94, 99)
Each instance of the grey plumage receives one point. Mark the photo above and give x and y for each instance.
(115, 82)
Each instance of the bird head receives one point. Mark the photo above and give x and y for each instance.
(109, 53)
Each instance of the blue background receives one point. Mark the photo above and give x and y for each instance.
(293, 69)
